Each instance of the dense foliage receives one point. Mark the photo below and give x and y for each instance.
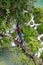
(13, 11)
(30, 36)
(40, 29)
(41, 55)
(38, 15)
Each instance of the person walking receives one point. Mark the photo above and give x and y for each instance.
(20, 33)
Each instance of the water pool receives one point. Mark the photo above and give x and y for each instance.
(39, 3)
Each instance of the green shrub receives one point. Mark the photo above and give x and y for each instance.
(14, 34)
(5, 42)
(38, 15)
(40, 29)
(30, 36)
(29, 32)
(33, 44)
(41, 55)
(2, 26)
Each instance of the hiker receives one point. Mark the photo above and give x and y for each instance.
(19, 31)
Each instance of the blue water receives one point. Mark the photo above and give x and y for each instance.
(39, 3)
